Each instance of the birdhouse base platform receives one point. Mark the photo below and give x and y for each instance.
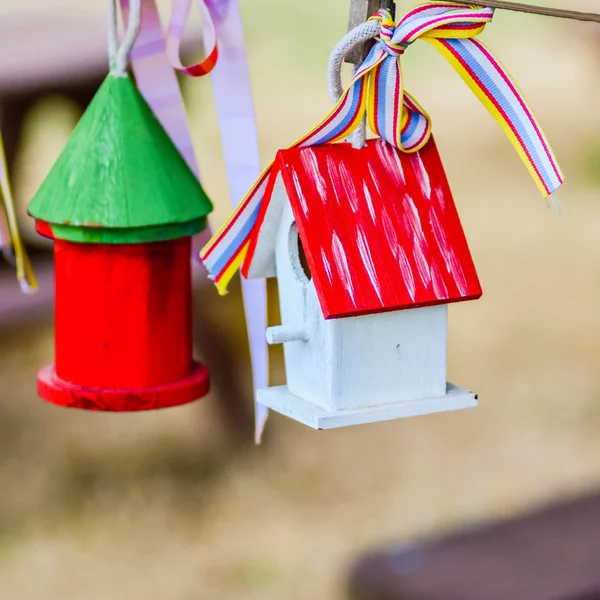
(281, 400)
(57, 391)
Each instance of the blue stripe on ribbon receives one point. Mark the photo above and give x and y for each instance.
(482, 75)
(465, 24)
(372, 59)
(236, 243)
(343, 124)
(413, 123)
(382, 90)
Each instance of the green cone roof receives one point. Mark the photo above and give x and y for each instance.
(120, 171)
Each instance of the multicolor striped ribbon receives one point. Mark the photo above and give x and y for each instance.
(10, 239)
(377, 90)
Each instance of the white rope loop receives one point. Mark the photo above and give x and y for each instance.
(119, 55)
(113, 44)
(356, 37)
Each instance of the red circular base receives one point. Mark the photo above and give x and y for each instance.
(53, 389)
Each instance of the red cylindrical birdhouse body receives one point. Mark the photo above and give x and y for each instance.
(121, 205)
(123, 327)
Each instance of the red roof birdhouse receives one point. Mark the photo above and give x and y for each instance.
(364, 238)
(121, 205)
(368, 250)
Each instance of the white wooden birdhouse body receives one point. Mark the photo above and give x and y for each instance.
(348, 363)
(367, 257)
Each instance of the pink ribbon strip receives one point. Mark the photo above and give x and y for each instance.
(179, 16)
(157, 82)
(235, 110)
(153, 60)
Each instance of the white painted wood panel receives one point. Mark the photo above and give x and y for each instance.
(308, 374)
(388, 357)
(282, 401)
(359, 361)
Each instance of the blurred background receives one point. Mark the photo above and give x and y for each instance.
(179, 504)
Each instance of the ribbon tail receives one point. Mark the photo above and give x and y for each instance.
(226, 251)
(10, 237)
(179, 16)
(25, 273)
(498, 92)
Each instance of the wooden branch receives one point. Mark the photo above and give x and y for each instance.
(534, 10)
(360, 11)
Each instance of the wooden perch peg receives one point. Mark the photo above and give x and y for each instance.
(360, 11)
(546, 11)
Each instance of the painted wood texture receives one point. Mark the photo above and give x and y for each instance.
(355, 362)
(123, 325)
(123, 313)
(379, 227)
(53, 389)
(281, 400)
(120, 178)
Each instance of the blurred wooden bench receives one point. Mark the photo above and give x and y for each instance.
(47, 52)
(51, 51)
(550, 554)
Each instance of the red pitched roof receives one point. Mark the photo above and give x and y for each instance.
(379, 227)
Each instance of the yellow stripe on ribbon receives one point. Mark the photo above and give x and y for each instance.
(25, 273)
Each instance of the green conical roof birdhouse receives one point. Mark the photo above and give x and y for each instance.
(120, 178)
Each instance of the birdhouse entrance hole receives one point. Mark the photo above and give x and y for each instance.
(298, 257)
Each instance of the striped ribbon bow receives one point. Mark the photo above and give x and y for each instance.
(377, 90)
